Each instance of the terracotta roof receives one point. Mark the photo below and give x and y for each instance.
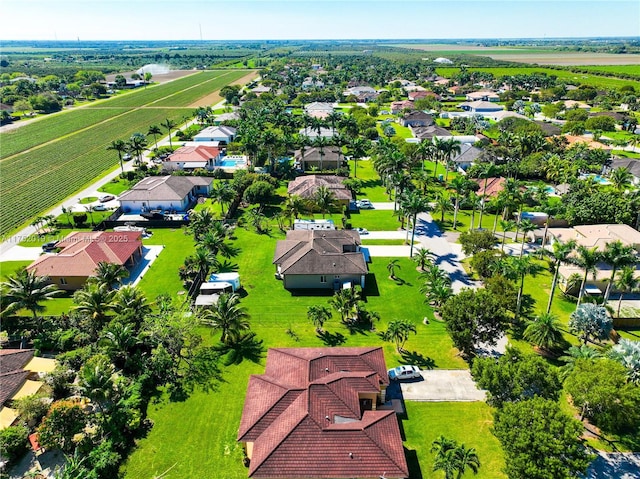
(13, 359)
(82, 251)
(416, 95)
(306, 186)
(10, 382)
(308, 422)
(494, 186)
(590, 142)
(320, 252)
(194, 153)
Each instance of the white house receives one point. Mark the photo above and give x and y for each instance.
(480, 106)
(175, 193)
(220, 133)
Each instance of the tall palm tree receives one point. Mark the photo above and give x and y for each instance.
(294, 207)
(345, 302)
(120, 147)
(476, 202)
(204, 259)
(227, 316)
(137, 144)
(321, 143)
(223, 193)
(26, 290)
(617, 256)
(169, 124)
(358, 148)
(486, 172)
(449, 148)
(413, 204)
(398, 332)
(621, 178)
(459, 185)
(443, 205)
(627, 282)
(560, 254)
(109, 274)
(526, 226)
(324, 199)
(318, 315)
(587, 259)
(506, 225)
(95, 301)
(154, 130)
(517, 269)
(544, 331)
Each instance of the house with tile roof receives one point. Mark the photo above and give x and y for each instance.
(429, 132)
(484, 95)
(192, 157)
(327, 158)
(20, 373)
(81, 251)
(400, 106)
(480, 106)
(317, 413)
(418, 95)
(319, 109)
(416, 118)
(173, 193)
(320, 259)
(467, 156)
(493, 186)
(221, 134)
(306, 187)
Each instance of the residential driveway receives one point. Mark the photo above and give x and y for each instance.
(615, 465)
(149, 255)
(20, 253)
(442, 385)
(388, 250)
(383, 206)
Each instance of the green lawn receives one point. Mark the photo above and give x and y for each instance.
(115, 186)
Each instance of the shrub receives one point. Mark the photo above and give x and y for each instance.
(13, 442)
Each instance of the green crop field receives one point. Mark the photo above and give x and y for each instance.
(37, 179)
(581, 78)
(625, 69)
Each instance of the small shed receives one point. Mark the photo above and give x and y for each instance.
(232, 279)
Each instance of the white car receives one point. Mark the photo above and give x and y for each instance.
(404, 372)
(364, 204)
(362, 231)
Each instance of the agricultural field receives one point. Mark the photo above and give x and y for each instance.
(37, 179)
(581, 78)
(614, 69)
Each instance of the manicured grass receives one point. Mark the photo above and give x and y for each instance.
(115, 186)
(468, 423)
(8, 268)
(375, 220)
(88, 199)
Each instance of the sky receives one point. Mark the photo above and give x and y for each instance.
(315, 19)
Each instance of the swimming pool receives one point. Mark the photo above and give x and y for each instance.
(232, 163)
(596, 178)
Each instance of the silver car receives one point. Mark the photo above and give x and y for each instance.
(404, 372)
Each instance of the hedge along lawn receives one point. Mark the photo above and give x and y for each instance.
(200, 433)
(469, 423)
(591, 80)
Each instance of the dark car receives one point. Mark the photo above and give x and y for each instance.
(153, 215)
(50, 246)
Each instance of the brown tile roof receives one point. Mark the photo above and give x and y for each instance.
(10, 382)
(13, 359)
(304, 418)
(494, 186)
(82, 251)
(306, 186)
(320, 252)
(194, 153)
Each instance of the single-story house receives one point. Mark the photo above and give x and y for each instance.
(630, 164)
(223, 117)
(306, 186)
(571, 104)
(259, 90)
(590, 142)
(190, 157)
(310, 84)
(429, 132)
(20, 376)
(327, 158)
(467, 156)
(493, 188)
(314, 133)
(483, 95)
(317, 413)
(502, 114)
(548, 128)
(174, 193)
(318, 109)
(359, 90)
(399, 106)
(593, 236)
(416, 118)
(222, 134)
(418, 95)
(480, 106)
(81, 251)
(320, 259)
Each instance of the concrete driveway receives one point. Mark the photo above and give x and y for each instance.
(388, 250)
(441, 385)
(375, 235)
(21, 253)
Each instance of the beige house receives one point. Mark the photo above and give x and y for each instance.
(306, 187)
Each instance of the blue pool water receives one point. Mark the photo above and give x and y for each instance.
(599, 179)
(231, 163)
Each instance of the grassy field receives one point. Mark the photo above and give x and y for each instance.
(40, 178)
(578, 78)
(628, 69)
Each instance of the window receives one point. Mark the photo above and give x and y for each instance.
(337, 276)
(323, 279)
(63, 281)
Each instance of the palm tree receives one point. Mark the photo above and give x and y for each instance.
(318, 315)
(526, 226)
(392, 266)
(137, 144)
(466, 459)
(215, 242)
(223, 193)
(26, 290)
(345, 302)
(422, 257)
(228, 317)
(518, 269)
(587, 259)
(627, 282)
(294, 207)
(413, 204)
(617, 256)
(95, 301)
(324, 199)
(320, 142)
(560, 254)
(459, 185)
(169, 124)
(96, 380)
(476, 202)
(398, 332)
(120, 147)
(109, 274)
(621, 178)
(119, 340)
(454, 459)
(506, 225)
(544, 331)
(154, 130)
(438, 292)
(358, 148)
(442, 205)
(487, 171)
(204, 259)
(131, 302)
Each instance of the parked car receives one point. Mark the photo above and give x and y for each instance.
(100, 208)
(50, 246)
(126, 157)
(105, 198)
(362, 231)
(364, 204)
(404, 372)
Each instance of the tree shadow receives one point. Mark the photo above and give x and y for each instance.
(417, 359)
(247, 347)
(331, 339)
